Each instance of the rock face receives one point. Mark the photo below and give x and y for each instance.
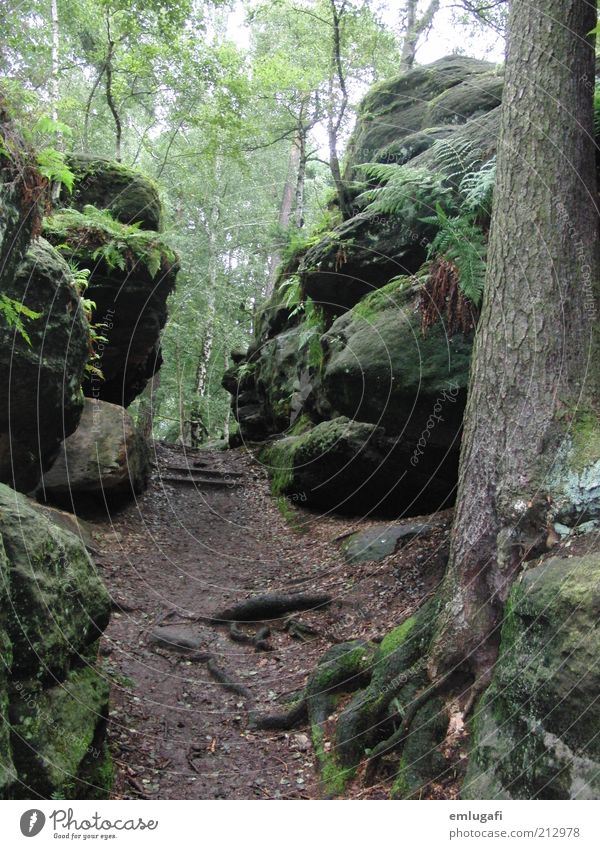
(536, 728)
(105, 457)
(40, 394)
(357, 370)
(129, 196)
(53, 698)
(40, 398)
(132, 273)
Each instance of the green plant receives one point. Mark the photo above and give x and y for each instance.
(407, 192)
(312, 329)
(107, 239)
(14, 312)
(476, 190)
(461, 241)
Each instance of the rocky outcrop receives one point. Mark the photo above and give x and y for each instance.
(40, 398)
(53, 697)
(536, 728)
(361, 353)
(132, 273)
(105, 457)
(129, 196)
(42, 359)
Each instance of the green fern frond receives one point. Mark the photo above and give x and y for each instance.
(462, 241)
(14, 312)
(408, 192)
(477, 189)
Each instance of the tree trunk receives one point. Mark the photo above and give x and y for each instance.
(285, 212)
(198, 428)
(336, 112)
(414, 28)
(532, 353)
(147, 408)
(299, 203)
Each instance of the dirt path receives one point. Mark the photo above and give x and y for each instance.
(192, 548)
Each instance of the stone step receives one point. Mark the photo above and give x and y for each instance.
(200, 483)
(191, 472)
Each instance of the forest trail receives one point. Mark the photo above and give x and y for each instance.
(206, 534)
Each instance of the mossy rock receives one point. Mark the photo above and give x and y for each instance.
(130, 196)
(381, 368)
(53, 700)
(421, 761)
(53, 731)
(132, 273)
(57, 606)
(41, 399)
(450, 90)
(535, 731)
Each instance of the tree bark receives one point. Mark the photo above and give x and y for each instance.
(535, 337)
(336, 113)
(413, 29)
(285, 212)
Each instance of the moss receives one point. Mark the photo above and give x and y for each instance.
(394, 639)
(586, 441)
(92, 235)
(334, 778)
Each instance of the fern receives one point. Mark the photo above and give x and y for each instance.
(407, 192)
(455, 158)
(477, 189)
(461, 241)
(14, 312)
(51, 164)
(107, 239)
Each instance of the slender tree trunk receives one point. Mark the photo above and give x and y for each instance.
(54, 76)
(336, 112)
(54, 80)
(413, 28)
(535, 337)
(285, 212)
(199, 430)
(147, 409)
(299, 202)
(109, 90)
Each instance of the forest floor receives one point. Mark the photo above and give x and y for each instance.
(185, 549)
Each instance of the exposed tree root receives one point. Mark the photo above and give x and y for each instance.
(264, 607)
(188, 646)
(258, 640)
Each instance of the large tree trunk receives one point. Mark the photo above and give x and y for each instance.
(534, 344)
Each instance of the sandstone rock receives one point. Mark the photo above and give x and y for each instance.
(381, 541)
(130, 196)
(40, 398)
(104, 457)
(53, 608)
(536, 728)
(130, 290)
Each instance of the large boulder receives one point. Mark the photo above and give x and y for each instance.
(354, 468)
(131, 197)
(53, 698)
(40, 398)
(105, 457)
(132, 273)
(536, 728)
(380, 367)
(444, 94)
